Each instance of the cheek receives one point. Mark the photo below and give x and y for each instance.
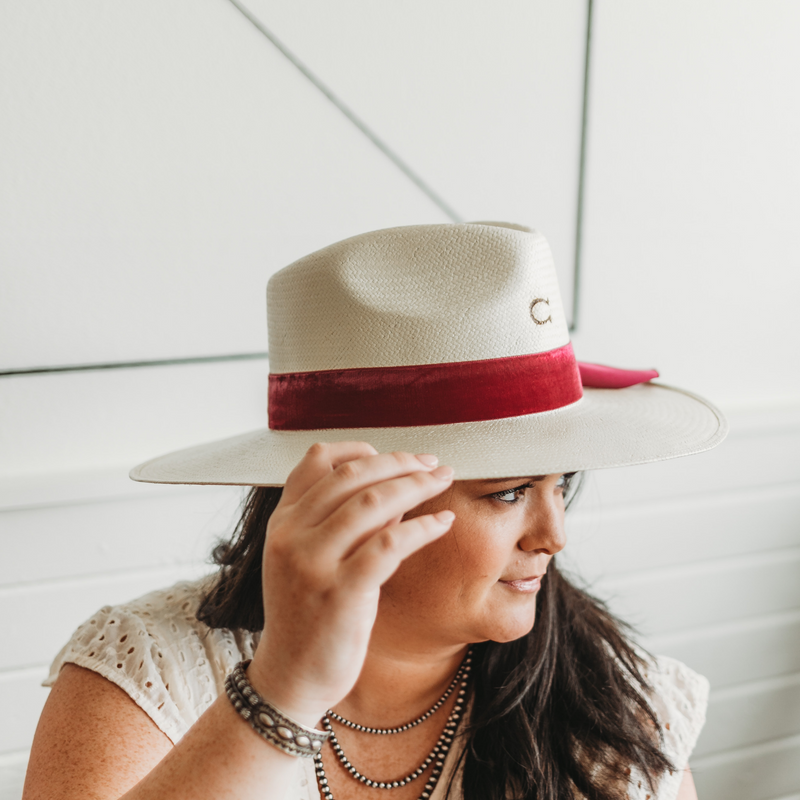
(426, 577)
(460, 565)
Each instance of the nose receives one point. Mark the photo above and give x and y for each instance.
(545, 532)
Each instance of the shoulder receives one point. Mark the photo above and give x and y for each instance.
(155, 649)
(679, 697)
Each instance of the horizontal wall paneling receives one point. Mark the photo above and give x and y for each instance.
(760, 772)
(738, 652)
(751, 713)
(53, 610)
(22, 699)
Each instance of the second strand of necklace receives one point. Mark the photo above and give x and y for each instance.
(435, 757)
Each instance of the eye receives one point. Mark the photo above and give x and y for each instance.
(511, 496)
(564, 482)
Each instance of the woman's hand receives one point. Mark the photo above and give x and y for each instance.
(337, 534)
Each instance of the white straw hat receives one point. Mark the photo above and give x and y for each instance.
(445, 339)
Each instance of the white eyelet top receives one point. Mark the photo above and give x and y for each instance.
(174, 667)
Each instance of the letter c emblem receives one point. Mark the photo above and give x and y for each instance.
(540, 311)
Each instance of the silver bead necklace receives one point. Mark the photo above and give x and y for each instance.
(429, 713)
(435, 757)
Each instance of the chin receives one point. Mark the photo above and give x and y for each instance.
(512, 628)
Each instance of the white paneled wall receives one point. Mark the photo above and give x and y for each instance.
(61, 422)
(165, 158)
(690, 264)
(97, 539)
(705, 563)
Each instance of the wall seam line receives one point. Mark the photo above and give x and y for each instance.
(577, 264)
(348, 113)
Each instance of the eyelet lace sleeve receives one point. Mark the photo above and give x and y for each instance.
(156, 651)
(679, 697)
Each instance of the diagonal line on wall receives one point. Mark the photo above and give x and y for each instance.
(349, 113)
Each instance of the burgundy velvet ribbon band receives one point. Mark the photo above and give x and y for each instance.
(425, 394)
(438, 394)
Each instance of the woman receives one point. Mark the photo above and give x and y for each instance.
(407, 604)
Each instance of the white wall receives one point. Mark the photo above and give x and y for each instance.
(691, 265)
(166, 158)
(692, 205)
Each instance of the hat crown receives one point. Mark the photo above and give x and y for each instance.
(421, 294)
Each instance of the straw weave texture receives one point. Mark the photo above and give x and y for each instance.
(422, 294)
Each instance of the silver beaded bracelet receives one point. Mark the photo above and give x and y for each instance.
(269, 723)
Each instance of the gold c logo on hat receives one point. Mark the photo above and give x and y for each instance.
(540, 311)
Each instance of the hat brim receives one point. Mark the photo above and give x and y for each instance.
(606, 428)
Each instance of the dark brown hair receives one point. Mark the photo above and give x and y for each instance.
(559, 713)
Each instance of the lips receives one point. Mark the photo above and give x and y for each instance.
(525, 585)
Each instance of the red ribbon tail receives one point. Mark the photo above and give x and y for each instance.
(599, 376)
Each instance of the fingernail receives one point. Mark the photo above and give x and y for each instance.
(445, 517)
(428, 460)
(443, 473)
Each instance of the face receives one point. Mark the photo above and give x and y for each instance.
(480, 580)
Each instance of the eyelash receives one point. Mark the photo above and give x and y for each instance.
(564, 482)
(500, 495)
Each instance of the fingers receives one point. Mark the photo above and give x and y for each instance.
(376, 560)
(350, 477)
(341, 495)
(378, 506)
(320, 460)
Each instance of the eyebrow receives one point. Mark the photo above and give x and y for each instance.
(532, 479)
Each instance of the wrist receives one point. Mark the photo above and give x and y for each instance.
(269, 722)
(288, 701)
